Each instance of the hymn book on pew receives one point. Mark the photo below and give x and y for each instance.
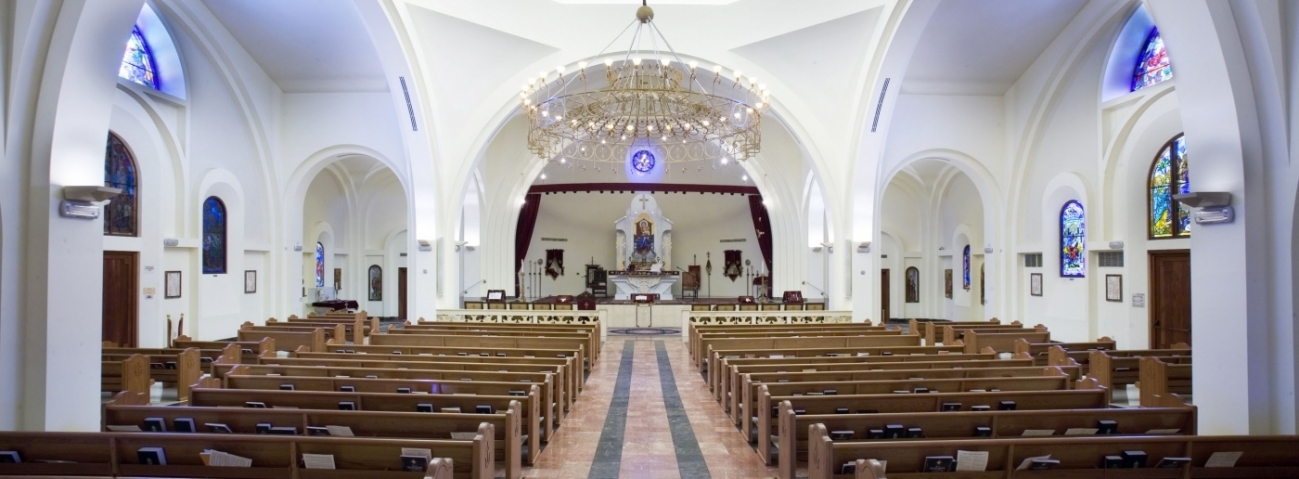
(10, 457)
(224, 459)
(415, 459)
(151, 456)
(1217, 459)
(318, 461)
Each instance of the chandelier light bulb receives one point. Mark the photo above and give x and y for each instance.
(560, 69)
(581, 65)
(725, 160)
(665, 61)
(635, 61)
(650, 128)
(563, 160)
(631, 127)
(543, 177)
(744, 178)
(737, 75)
(693, 64)
(705, 123)
(608, 63)
(624, 137)
(665, 138)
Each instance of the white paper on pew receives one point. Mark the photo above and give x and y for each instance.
(776, 356)
(318, 461)
(971, 460)
(1038, 432)
(339, 431)
(225, 459)
(1223, 459)
(863, 354)
(281, 354)
(463, 436)
(1029, 461)
(811, 370)
(1163, 431)
(125, 429)
(415, 451)
(1081, 431)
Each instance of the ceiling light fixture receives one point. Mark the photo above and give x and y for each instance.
(664, 101)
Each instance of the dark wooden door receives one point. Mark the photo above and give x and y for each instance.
(120, 314)
(401, 293)
(1170, 298)
(884, 295)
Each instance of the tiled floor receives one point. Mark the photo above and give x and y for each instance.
(647, 450)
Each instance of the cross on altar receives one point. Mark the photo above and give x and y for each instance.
(642, 202)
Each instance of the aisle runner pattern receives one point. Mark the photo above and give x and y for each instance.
(690, 460)
(608, 455)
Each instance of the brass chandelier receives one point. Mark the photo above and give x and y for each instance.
(649, 99)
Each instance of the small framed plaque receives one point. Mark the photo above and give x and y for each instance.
(250, 281)
(1035, 284)
(1114, 288)
(173, 285)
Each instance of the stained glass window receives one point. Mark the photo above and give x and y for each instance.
(1152, 65)
(214, 236)
(120, 214)
(1073, 240)
(965, 268)
(1170, 175)
(320, 265)
(137, 63)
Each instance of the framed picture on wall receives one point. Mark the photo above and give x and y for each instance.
(250, 281)
(173, 285)
(1114, 288)
(947, 281)
(338, 280)
(376, 283)
(1035, 284)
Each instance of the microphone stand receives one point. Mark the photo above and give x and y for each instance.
(823, 295)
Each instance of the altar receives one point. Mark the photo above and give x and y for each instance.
(628, 283)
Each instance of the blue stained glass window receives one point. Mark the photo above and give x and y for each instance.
(965, 261)
(1170, 175)
(1153, 65)
(214, 236)
(137, 63)
(320, 265)
(120, 214)
(1073, 240)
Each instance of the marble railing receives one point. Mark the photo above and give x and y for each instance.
(524, 316)
(760, 317)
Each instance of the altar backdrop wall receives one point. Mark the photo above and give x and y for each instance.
(586, 221)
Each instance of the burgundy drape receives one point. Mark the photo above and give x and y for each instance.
(523, 234)
(762, 228)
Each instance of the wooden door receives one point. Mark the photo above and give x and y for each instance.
(884, 296)
(401, 293)
(1170, 298)
(121, 310)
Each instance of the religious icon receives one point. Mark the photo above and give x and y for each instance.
(643, 242)
(376, 283)
(913, 285)
(554, 263)
(732, 268)
(947, 277)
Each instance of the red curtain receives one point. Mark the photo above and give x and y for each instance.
(523, 234)
(762, 228)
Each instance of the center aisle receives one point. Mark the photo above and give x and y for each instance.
(652, 446)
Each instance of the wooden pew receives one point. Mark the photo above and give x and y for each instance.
(695, 329)
(720, 375)
(576, 347)
(1058, 356)
(1087, 396)
(381, 402)
(1080, 457)
(177, 367)
(556, 366)
(1163, 383)
(248, 350)
(593, 327)
(702, 335)
(750, 381)
(129, 375)
(932, 331)
(710, 346)
(576, 378)
(358, 325)
(589, 338)
(955, 331)
(977, 340)
(1041, 351)
(391, 425)
(417, 386)
(1118, 369)
(288, 338)
(793, 428)
(552, 391)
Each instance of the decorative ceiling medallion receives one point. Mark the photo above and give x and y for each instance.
(649, 95)
(642, 161)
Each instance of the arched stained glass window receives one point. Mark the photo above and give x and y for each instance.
(1073, 240)
(965, 268)
(121, 215)
(1152, 65)
(320, 265)
(214, 236)
(137, 63)
(1170, 175)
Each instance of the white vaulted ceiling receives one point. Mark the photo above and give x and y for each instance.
(305, 45)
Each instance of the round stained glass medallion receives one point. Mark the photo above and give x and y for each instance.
(642, 161)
